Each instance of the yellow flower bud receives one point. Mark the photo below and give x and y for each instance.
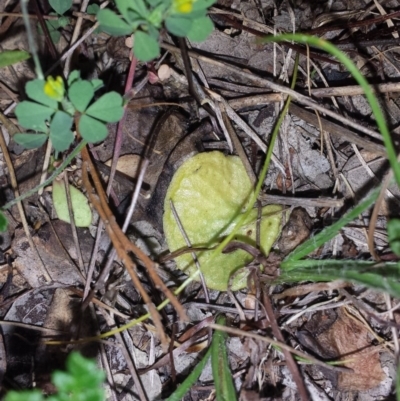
(183, 6)
(54, 88)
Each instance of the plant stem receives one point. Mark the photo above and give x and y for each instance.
(32, 44)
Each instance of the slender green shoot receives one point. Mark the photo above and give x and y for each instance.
(329, 232)
(224, 387)
(187, 384)
(31, 40)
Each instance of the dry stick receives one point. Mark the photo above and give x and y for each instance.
(246, 128)
(375, 213)
(131, 365)
(73, 225)
(116, 152)
(291, 364)
(129, 246)
(305, 202)
(75, 35)
(14, 185)
(337, 130)
(109, 219)
(237, 145)
(305, 100)
(189, 245)
(355, 90)
(279, 344)
(20, 15)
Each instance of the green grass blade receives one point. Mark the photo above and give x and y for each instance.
(329, 232)
(384, 277)
(180, 392)
(354, 71)
(224, 387)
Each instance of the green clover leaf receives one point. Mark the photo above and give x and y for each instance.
(107, 108)
(33, 116)
(112, 24)
(92, 130)
(200, 29)
(177, 25)
(35, 90)
(146, 47)
(30, 141)
(80, 94)
(60, 131)
(60, 6)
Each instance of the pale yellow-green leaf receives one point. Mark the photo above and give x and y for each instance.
(209, 192)
(80, 206)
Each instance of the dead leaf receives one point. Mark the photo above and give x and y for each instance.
(348, 339)
(127, 164)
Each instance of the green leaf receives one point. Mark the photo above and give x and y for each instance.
(61, 6)
(107, 108)
(393, 230)
(27, 395)
(52, 24)
(92, 130)
(145, 47)
(156, 16)
(73, 76)
(112, 24)
(80, 208)
(30, 141)
(33, 115)
(200, 29)
(210, 191)
(187, 384)
(3, 222)
(140, 7)
(385, 278)
(35, 90)
(224, 387)
(97, 84)
(55, 36)
(202, 4)
(9, 57)
(60, 131)
(93, 9)
(329, 232)
(123, 7)
(155, 3)
(80, 94)
(178, 26)
(63, 21)
(82, 375)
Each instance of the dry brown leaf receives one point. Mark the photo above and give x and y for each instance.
(127, 164)
(348, 339)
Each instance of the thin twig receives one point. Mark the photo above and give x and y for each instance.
(189, 245)
(279, 88)
(14, 185)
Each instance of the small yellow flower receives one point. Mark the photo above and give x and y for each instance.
(183, 6)
(54, 88)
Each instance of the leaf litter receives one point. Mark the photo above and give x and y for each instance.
(304, 169)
